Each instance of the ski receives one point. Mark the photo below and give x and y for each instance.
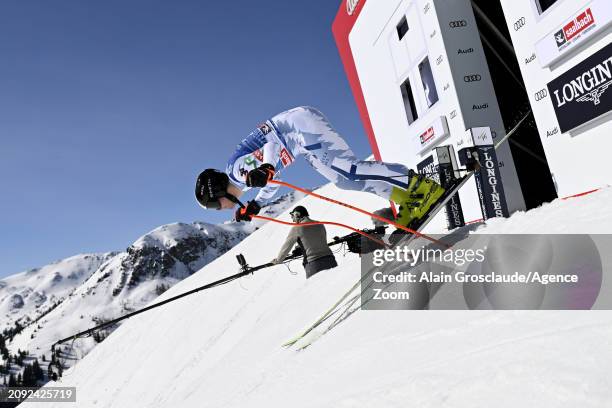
(331, 311)
(431, 213)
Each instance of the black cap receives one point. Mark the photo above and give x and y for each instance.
(300, 210)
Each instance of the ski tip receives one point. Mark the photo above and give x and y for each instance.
(289, 343)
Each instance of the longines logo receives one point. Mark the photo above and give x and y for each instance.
(491, 177)
(351, 5)
(430, 169)
(427, 166)
(588, 86)
(582, 93)
(541, 94)
(518, 24)
(472, 78)
(455, 212)
(457, 24)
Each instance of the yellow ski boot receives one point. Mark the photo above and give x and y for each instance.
(414, 202)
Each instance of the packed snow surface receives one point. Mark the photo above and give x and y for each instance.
(222, 347)
(76, 293)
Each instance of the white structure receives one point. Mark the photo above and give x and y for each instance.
(420, 78)
(564, 51)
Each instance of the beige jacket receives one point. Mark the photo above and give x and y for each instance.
(314, 240)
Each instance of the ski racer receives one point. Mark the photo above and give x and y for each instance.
(312, 241)
(305, 132)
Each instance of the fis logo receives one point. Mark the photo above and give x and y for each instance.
(482, 136)
(443, 156)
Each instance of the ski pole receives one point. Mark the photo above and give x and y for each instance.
(352, 207)
(155, 305)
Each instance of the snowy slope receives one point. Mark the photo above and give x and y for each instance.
(131, 279)
(90, 289)
(222, 348)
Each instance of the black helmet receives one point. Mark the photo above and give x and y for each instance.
(210, 186)
(299, 211)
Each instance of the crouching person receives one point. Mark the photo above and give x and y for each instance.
(312, 239)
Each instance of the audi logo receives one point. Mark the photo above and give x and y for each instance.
(518, 24)
(457, 24)
(541, 94)
(472, 78)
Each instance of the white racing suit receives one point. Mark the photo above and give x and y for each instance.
(304, 131)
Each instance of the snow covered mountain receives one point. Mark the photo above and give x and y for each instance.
(79, 292)
(130, 280)
(26, 296)
(222, 347)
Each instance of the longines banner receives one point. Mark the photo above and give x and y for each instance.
(584, 92)
(441, 171)
(428, 167)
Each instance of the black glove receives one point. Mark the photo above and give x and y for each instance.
(259, 177)
(245, 213)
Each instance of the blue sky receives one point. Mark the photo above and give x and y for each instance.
(108, 110)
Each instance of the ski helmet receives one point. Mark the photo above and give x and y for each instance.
(299, 212)
(210, 186)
